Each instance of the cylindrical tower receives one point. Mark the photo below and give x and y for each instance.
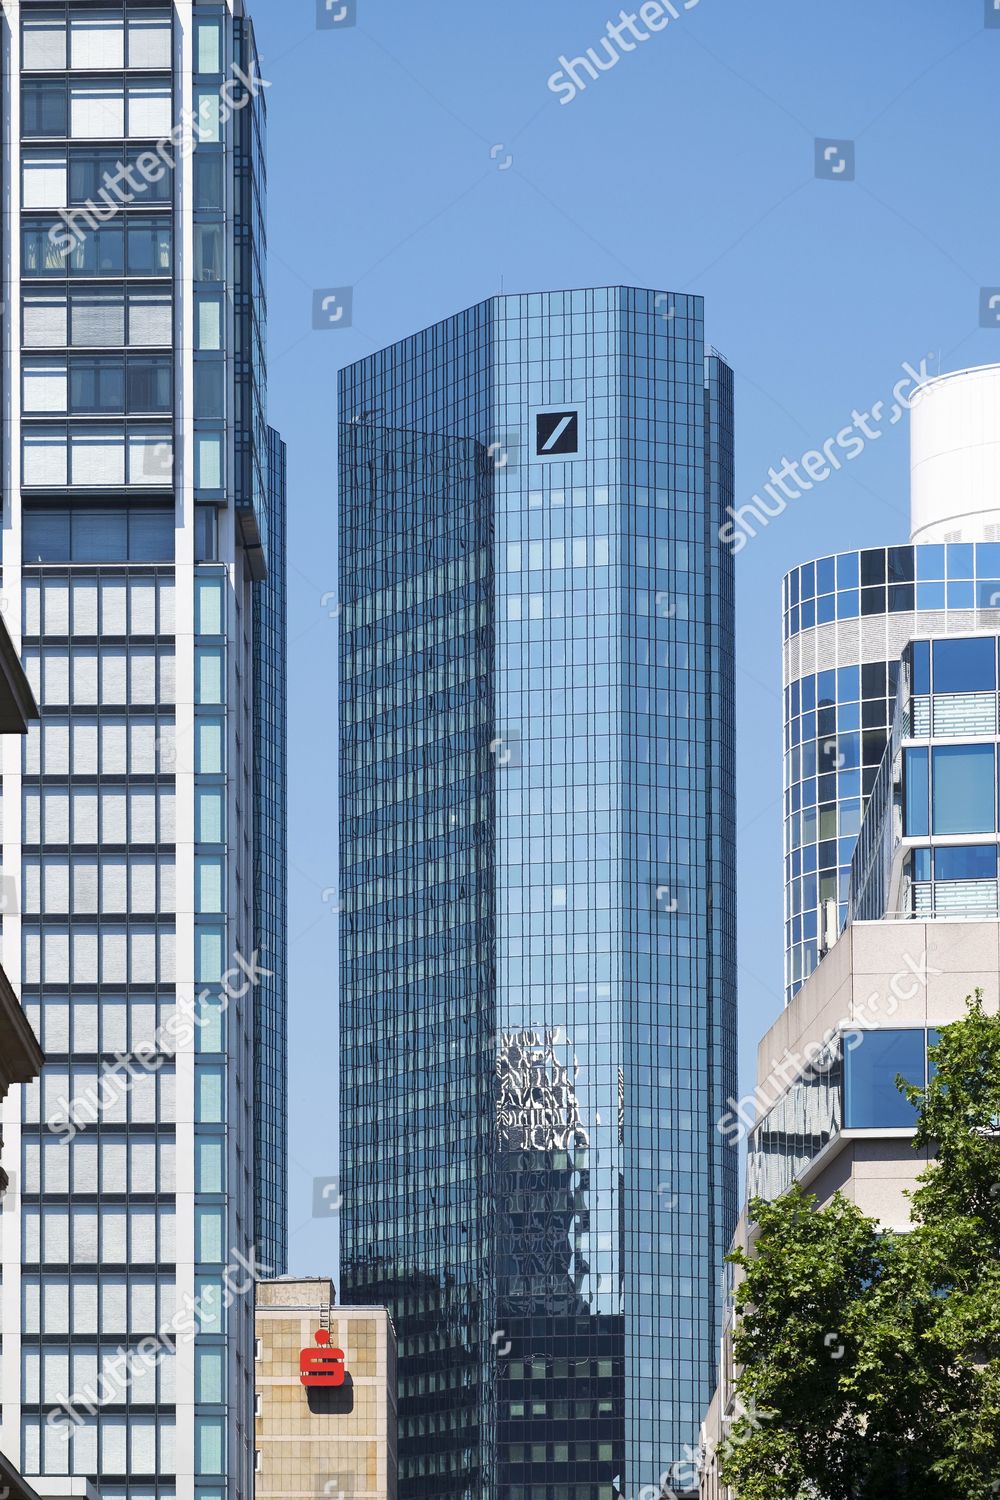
(955, 458)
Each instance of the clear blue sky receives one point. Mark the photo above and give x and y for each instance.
(689, 167)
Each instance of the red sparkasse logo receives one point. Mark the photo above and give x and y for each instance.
(323, 1366)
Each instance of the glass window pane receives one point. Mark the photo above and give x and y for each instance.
(965, 666)
(43, 42)
(916, 792)
(208, 47)
(872, 1099)
(968, 862)
(209, 321)
(964, 791)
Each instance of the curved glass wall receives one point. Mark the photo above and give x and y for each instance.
(847, 620)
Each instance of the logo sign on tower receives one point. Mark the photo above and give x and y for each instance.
(324, 1365)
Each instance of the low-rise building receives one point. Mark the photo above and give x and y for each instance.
(326, 1395)
(829, 1114)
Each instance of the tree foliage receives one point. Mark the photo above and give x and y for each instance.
(875, 1355)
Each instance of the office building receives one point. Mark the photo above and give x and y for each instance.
(847, 619)
(141, 487)
(20, 1055)
(326, 1395)
(908, 659)
(537, 865)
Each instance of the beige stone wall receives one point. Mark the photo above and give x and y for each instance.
(343, 1446)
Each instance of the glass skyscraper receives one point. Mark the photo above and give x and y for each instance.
(143, 491)
(537, 851)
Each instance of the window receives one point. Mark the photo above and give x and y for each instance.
(208, 113)
(209, 667)
(150, 318)
(967, 862)
(43, 42)
(916, 792)
(872, 1100)
(965, 666)
(209, 1370)
(97, 317)
(96, 40)
(964, 789)
(206, 533)
(209, 816)
(89, 534)
(149, 110)
(94, 170)
(149, 384)
(209, 1444)
(208, 260)
(149, 247)
(208, 47)
(100, 386)
(150, 457)
(208, 321)
(208, 461)
(96, 111)
(43, 107)
(209, 399)
(209, 752)
(149, 40)
(43, 181)
(101, 252)
(209, 1098)
(208, 180)
(44, 386)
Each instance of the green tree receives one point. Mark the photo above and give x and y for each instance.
(875, 1355)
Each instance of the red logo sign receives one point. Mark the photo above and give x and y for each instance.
(323, 1366)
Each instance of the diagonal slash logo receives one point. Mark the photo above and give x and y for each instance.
(558, 432)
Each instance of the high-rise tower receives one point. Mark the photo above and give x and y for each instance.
(140, 488)
(538, 961)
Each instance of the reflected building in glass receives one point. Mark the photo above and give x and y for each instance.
(847, 620)
(538, 942)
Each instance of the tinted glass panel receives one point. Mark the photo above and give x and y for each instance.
(968, 862)
(964, 792)
(965, 666)
(873, 1101)
(916, 792)
(89, 534)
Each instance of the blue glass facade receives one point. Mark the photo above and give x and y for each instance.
(847, 620)
(538, 958)
(271, 877)
(928, 844)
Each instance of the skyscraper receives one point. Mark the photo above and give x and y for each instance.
(538, 940)
(141, 489)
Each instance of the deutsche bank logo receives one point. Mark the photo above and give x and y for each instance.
(557, 434)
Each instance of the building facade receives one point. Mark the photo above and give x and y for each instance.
(847, 619)
(892, 737)
(313, 1438)
(538, 940)
(20, 1055)
(137, 482)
